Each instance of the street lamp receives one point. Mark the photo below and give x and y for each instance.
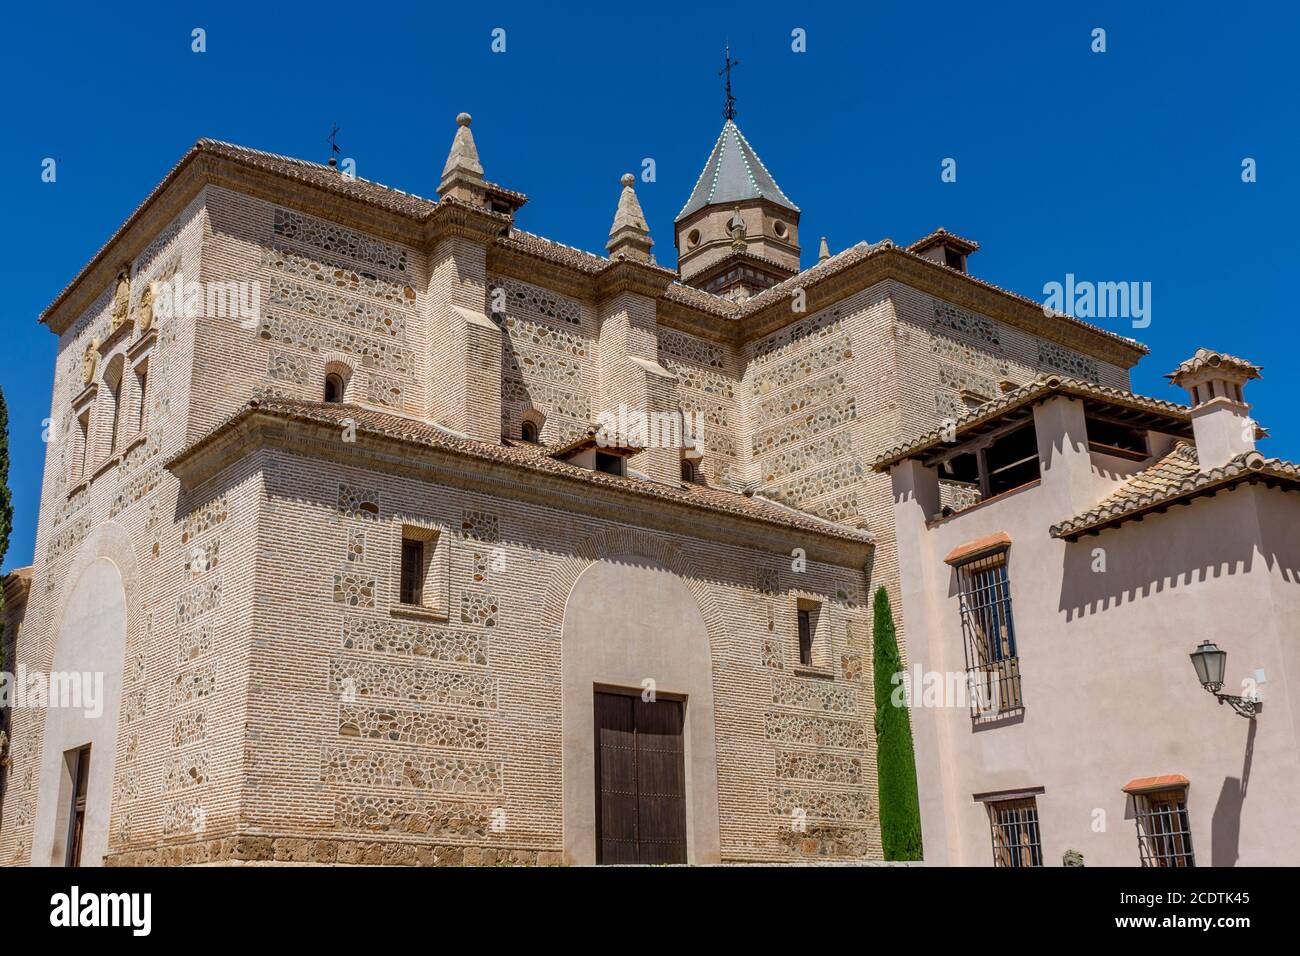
(1210, 664)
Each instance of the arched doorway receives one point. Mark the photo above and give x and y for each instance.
(76, 788)
(636, 655)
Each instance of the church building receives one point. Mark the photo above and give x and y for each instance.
(400, 534)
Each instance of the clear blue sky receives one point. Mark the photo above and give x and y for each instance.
(1122, 166)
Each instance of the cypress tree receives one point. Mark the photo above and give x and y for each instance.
(900, 811)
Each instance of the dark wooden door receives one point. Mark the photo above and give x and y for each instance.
(640, 780)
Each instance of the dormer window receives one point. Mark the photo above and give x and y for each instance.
(611, 464)
(596, 453)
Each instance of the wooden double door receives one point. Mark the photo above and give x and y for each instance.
(640, 780)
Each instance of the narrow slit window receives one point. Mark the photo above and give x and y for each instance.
(82, 450)
(142, 389)
(115, 413)
(805, 637)
(413, 570)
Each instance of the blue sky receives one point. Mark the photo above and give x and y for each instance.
(1119, 166)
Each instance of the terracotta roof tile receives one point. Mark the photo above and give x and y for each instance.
(526, 455)
(943, 235)
(1025, 395)
(1175, 476)
(318, 174)
(1205, 358)
(1165, 781)
(997, 541)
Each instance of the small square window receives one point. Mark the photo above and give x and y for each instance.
(610, 464)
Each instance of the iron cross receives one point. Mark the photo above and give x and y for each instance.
(729, 111)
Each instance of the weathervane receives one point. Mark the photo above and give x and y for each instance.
(729, 111)
(334, 144)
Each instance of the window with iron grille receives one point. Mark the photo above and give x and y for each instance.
(992, 667)
(1164, 833)
(1016, 840)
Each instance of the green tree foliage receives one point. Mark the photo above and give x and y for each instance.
(900, 812)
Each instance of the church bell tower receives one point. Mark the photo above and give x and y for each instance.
(738, 233)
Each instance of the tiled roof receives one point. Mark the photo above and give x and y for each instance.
(1026, 395)
(529, 456)
(1174, 477)
(866, 250)
(1162, 782)
(1205, 358)
(699, 299)
(420, 208)
(942, 235)
(733, 173)
(318, 174)
(552, 251)
(997, 541)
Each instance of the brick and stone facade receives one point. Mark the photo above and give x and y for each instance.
(274, 700)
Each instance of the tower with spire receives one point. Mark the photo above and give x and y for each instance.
(738, 232)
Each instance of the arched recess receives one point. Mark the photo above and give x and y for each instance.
(91, 625)
(632, 614)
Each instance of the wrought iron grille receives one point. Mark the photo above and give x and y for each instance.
(1164, 833)
(992, 667)
(1015, 833)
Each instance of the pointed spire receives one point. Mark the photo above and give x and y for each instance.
(733, 172)
(823, 251)
(462, 176)
(629, 235)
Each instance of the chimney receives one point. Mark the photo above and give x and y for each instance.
(945, 248)
(1221, 421)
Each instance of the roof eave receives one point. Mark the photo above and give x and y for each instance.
(253, 426)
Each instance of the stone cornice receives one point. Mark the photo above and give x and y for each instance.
(453, 218)
(520, 264)
(629, 275)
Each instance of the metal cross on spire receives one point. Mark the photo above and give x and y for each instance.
(334, 144)
(729, 111)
